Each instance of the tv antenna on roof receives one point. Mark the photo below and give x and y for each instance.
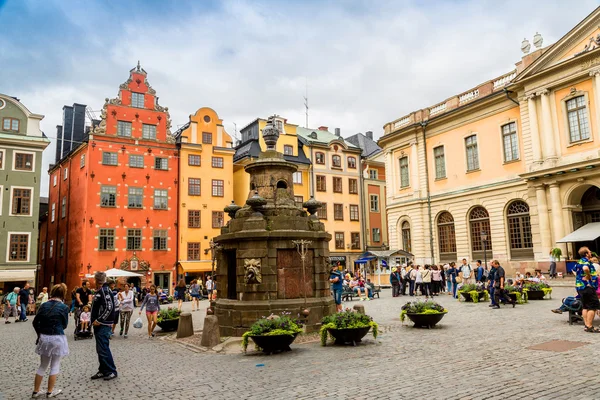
(306, 103)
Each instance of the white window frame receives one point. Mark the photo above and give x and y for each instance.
(65, 173)
(12, 189)
(3, 151)
(143, 131)
(50, 248)
(125, 133)
(54, 180)
(467, 154)
(14, 160)
(565, 113)
(373, 174)
(404, 185)
(435, 162)
(8, 260)
(378, 235)
(82, 161)
(378, 208)
(143, 99)
(504, 160)
(297, 178)
(53, 212)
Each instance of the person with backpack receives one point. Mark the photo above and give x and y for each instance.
(452, 274)
(395, 282)
(10, 305)
(467, 272)
(479, 272)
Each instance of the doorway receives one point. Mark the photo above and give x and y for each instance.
(163, 280)
(590, 212)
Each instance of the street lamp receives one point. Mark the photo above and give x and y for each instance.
(213, 248)
(302, 247)
(484, 240)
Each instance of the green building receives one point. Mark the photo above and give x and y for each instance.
(21, 145)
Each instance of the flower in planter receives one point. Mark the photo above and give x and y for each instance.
(421, 307)
(347, 319)
(474, 291)
(168, 314)
(273, 325)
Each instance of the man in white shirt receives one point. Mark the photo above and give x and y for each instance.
(467, 272)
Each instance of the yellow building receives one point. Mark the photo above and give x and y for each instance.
(205, 188)
(506, 169)
(328, 168)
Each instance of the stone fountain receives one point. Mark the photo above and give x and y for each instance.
(260, 266)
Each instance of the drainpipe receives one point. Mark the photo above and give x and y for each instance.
(312, 174)
(362, 200)
(510, 98)
(424, 126)
(67, 208)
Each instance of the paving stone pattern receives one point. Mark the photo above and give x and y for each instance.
(475, 353)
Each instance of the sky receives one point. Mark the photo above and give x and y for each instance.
(363, 63)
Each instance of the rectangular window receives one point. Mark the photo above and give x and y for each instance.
(24, 162)
(376, 235)
(206, 138)
(217, 162)
(510, 142)
(193, 250)
(109, 158)
(65, 174)
(339, 240)
(320, 158)
(336, 161)
(149, 131)
(352, 186)
(404, 173)
(218, 188)
(108, 196)
(352, 162)
(51, 249)
(61, 247)
(374, 202)
(472, 153)
(355, 240)
(11, 124)
(354, 212)
(194, 160)
(43, 250)
(337, 185)
(440, 162)
(135, 197)
(81, 161)
(288, 150)
(134, 239)
(19, 246)
(299, 200)
(160, 199)
(106, 239)
(579, 128)
(321, 183)
(137, 100)
(160, 239)
(21, 201)
(63, 207)
(123, 128)
(53, 212)
(338, 212)
(373, 174)
(217, 219)
(161, 163)
(136, 161)
(193, 218)
(54, 180)
(297, 177)
(194, 186)
(322, 211)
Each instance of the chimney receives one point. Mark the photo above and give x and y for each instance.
(67, 131)
(58, 154)
(323, 128)
(369, 134)
(337, 132)
(78, 125)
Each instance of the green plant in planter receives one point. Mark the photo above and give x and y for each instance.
(536, 286)
(474, 291)
(556, 253)
(421, 307)
(169, 313)
(520, 295)
(347, 319)
(273, 325)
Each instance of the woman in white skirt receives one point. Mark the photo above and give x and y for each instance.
(50, 323)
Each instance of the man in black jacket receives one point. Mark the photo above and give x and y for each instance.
(499, 281)
(102, 318)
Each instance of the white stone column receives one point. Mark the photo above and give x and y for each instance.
(534, 131)
(390, 176)
(414, 167)
(547, 128)
(557, 214)
(543, 219)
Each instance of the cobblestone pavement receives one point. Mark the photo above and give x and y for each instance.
(475, 353)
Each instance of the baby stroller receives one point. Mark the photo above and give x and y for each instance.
(79, 332)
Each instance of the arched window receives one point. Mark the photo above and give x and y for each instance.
(336, 161)
(479, 222)
(446, 237)
(406, 245)
(320, 157)
(352, 162)
(519, 230)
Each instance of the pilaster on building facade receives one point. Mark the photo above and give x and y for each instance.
(205, 189)
(113, 194)
(504, 170)
(21, 145)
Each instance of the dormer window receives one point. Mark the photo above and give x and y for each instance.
(137, 100)
(279, 125)
(352, 162)
(11, 124)
(320, 158)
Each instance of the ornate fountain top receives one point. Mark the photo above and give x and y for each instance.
(271, 134)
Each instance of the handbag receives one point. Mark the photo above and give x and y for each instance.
(459, 279)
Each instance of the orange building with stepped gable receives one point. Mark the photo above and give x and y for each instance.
(113, 199)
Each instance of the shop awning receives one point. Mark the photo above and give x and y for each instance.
(16, 275)
(586, 233)
(389, 253)
(196, 266)
(364, 260)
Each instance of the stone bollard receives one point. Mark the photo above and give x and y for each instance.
(360, 308)
(210, 332)
(186, 327)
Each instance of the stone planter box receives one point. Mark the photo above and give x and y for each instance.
(535, 294)
(275, 343)
(513, 296)
(349, 335)
(169, 325)
(467, 296)
(425, 320)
